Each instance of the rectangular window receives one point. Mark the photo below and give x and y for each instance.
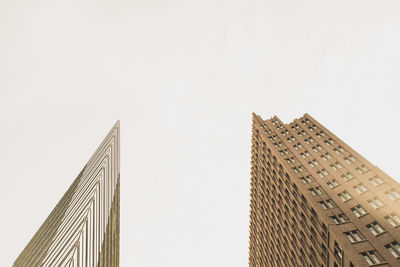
(344, 196)
(347, 176)
(354, 236)
(393, 219)
(364, 168)
(327, 204)
(341, 218)
(375, 228)
(319, 190)
(338, 251)
(376, 180)
(332, 184)
(393, 194)
(330, 203)
(312, 191)
(371, 257)
(358, 211)
(394, 249)
(360, 188)
(375, 202)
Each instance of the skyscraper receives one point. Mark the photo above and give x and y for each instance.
(317, 202)
(83, 228)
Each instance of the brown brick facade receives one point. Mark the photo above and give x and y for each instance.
(317, 202)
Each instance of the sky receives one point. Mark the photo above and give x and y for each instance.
(183, 77)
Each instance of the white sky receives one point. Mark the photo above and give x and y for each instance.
(183, 77)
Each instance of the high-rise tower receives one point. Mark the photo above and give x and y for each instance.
(83, 228)
(317, 202)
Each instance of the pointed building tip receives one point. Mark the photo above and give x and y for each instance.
(117, 123)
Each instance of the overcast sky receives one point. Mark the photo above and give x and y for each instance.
(183, 77)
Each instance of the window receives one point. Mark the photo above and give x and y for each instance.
(364, 168)
(328, 156)
(332, 184)
(322, 173)
(341, 218)
(317, 148)
(330, 203)
(394, 249)
(347, 160)
(393, 219)
(306, 179)
(354, 236)
(323, 157)
(358, 211)
(393, 194)
(312, 191)
(327, 143)
(327, 204)
(371, 257)
(338, 251)
(290, 160)
(352, 158)
(316, 191)
(282, 152)
(376, 180)
(319, 190)
(375, 202)
(305, 154)
(375, 228)
(347, 176)
(360, 188)
(344, 196)
(309, 140)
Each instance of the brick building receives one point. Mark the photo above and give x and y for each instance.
(317, 202)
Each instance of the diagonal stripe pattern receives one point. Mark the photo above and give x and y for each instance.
(83, 228)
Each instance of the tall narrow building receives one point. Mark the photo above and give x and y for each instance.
(83, 228)
(317, 202)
